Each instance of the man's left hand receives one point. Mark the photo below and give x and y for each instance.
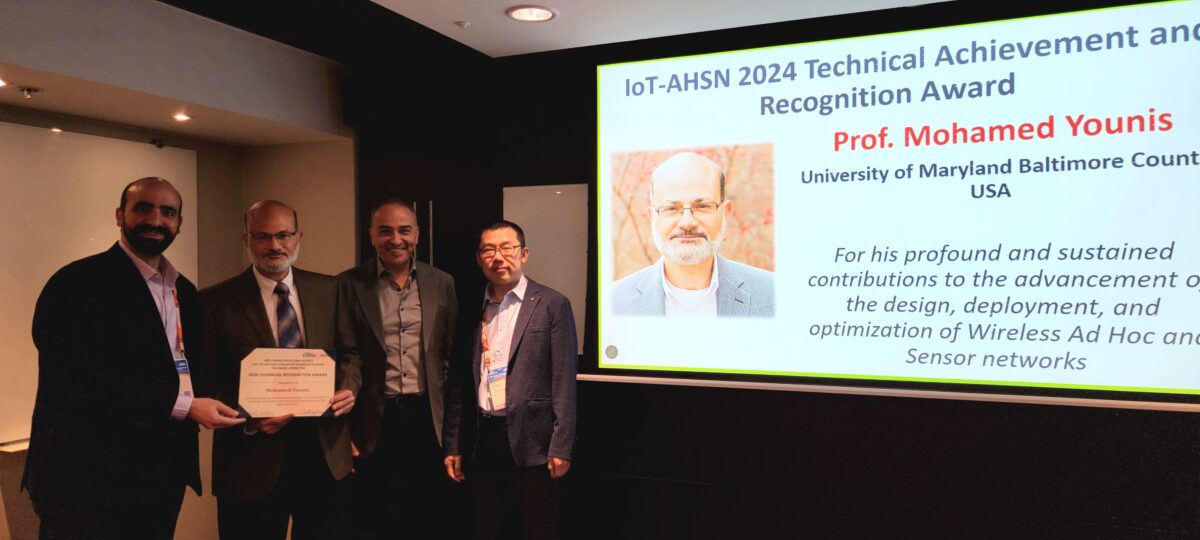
(342, 402)
(558, 466)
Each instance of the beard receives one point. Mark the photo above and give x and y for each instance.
(273, 267)
(147, 246)
(689, 253)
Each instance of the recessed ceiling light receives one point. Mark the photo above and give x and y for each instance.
(2, 83)
(56, 130)
(529, 13)
(181, 117)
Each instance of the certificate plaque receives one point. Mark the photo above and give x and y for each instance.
(278, 382)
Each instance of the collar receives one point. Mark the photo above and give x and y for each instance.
(712, 281)
(381, 269)
(167, 270)
(518, 291)
(267, 285)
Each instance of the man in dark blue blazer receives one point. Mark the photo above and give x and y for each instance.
(113, 441)
(522, 375)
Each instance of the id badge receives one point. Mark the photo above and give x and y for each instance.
(495, 379)
(185, 376)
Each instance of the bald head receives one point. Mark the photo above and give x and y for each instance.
(272, 238)
(695, 170)
(149, 217)
(390, 205)
(266, 207)
(149, 182)
(394, 234)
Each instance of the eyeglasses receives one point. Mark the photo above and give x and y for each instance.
(282, 237)
(706, 208)
(488, 252)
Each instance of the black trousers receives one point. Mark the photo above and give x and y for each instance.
(152, 519)
(402, 486)
(306, 492)
(511, 502)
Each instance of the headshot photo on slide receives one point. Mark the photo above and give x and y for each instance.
(694, 232)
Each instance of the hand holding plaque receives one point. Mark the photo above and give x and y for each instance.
(280, 382)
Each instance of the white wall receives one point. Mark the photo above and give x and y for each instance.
(555, 221)
(58, 196)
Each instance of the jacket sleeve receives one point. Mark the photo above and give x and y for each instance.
(564, 358)
(350, 362)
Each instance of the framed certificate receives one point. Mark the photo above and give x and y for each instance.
(278, 382)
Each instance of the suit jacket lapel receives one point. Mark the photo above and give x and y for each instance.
(653, 299)
(428, 292)
(253, 308)
(366, 283)
(477, 351)
(527, 306)
(731, 299)
(310, 304)
(139, 290)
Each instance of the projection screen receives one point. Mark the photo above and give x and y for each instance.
(1004, 208)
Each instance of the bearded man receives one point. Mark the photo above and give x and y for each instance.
(284, 467)
(688, 214)
(113, 441)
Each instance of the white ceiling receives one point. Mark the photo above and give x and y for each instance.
(581, 23)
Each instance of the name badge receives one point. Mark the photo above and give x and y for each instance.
(495, 379)
(185, 376)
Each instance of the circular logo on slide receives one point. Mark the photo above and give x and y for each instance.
(610, 351)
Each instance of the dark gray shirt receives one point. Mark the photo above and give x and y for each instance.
(401, 311)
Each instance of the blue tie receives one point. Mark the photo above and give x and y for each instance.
(289, 328)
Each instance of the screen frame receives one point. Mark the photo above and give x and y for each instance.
(944, 15)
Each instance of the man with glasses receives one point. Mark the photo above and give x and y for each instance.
(519, 394)
(403, 313)
(689, 214)
(278, 468)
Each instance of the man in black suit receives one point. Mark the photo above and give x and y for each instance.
(522, 379)
(404, 313)
(282, 467)
(112, 447)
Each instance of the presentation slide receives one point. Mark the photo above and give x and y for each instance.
(1005, 204)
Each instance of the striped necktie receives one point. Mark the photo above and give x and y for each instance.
(289, 327)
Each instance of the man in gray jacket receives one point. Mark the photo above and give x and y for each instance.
(689, 213)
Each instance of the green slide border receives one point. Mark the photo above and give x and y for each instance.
(838, 376)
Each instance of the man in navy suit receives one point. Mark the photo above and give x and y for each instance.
(113, 441)
(522, 375)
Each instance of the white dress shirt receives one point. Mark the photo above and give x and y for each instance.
(498, 322)
(266, 286)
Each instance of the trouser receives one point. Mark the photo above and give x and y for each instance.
(306, 492)
(511, 502)
(152, 519)
(402, 485)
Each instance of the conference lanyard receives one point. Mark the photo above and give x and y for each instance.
(495, 376)
(181, 363)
